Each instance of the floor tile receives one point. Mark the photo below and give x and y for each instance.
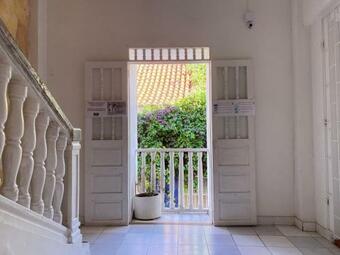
(166, 229)
(91, 238)
(141, 228)
(247, 240)
(305, 242)
(160, 239)
(132, 249)
(284, 251)
(267, 231)
(110, 238)
(326, 243)
(137, 238)
(193, 239)
(104, 249)
(193, 250)
(117, 229)
(276, 241)
(292, 231)
(254, 251)
(223, 250)
(317, 251)
(216, 230)
(219, 239)
(168, 249)
(92, 230)
(242, 230)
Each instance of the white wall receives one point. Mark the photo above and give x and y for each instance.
(82, 30)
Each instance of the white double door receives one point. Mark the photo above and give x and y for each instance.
(110, 147)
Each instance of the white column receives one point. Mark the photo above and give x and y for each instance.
(5, 76)
(72, 188)
(39, 156)
(51, 164)
(59, 174)
(14, 129)
(31, 108)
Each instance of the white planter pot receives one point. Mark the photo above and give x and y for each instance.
(147, 207)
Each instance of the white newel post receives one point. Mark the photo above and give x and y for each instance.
(39, 171)
(31, 108)
(14, 129)
(5, 76)
(59, 174)
(51, 164)
(72, 168)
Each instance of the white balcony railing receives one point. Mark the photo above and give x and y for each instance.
(39, 148)
(181, 175)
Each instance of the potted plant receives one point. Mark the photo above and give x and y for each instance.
(148, 205)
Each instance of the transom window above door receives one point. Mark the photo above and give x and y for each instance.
(169, 54)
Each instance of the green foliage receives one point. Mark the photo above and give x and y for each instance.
(182, 125)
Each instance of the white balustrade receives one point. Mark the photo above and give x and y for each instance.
(59, 175)
(180, 174)
(26, 143)
(39, 156)
(14, 129)
(51, 164)
(31, 108)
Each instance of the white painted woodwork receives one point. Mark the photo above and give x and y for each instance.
(31, 108)
(72, 190)
(234, 146)
(106, 147)
(331, 35)
(5, 76)
(169, 54)
(39, 156)
(14, 129)
(162, 164)
(59, 175)
(51, 164)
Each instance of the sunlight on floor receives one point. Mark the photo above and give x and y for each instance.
(149, 239)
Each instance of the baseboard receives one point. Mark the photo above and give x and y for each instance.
(306, 226)
(326, 233)
(275, 220)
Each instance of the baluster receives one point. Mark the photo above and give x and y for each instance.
(51, 164)
(31, 108)
(72, 188)
(200, 180)
(143, 171)
(59, 175)
(14, 130)
(5, 76)
(163, 176)
(181, 181)
(190, 180)
(172, 181)
(153, 171)
(39, 156)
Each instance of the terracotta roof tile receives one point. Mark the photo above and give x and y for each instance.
(162, 84)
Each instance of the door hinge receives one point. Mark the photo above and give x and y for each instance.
(327, 201)
(325, 122)
(323, 45)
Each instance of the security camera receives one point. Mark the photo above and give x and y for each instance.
(249, 19)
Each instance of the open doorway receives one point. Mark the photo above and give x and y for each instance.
(169, 132)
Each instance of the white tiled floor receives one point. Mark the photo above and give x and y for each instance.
(150, 239)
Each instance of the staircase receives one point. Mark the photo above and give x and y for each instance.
(39, 150)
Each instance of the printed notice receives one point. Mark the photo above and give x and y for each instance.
(234, 107)
(104, 108)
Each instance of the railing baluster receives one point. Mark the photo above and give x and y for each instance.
(14, 130)
(51, 164)
(190, 180)
(143, 168)
(31, 108)
(39, 156)
(5, 76)
(153, 171)
(181, 181)
(172, 181)
(59, 174)
(200, 180)
(163, 177)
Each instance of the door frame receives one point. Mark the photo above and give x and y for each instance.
(132, 125)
